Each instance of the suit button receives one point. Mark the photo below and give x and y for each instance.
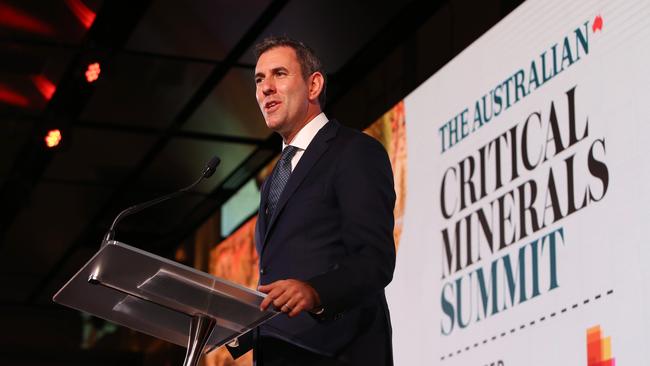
(262, 271)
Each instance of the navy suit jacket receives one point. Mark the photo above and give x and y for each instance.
(333, 228)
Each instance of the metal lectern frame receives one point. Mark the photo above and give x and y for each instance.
(164, 299)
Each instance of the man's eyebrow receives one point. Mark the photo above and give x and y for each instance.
(273, 71)
(279, 68)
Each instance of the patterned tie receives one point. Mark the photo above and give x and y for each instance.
(280, 178)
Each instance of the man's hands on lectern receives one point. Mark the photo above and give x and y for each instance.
(290, 296)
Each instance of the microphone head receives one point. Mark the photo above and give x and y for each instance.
(211, 166)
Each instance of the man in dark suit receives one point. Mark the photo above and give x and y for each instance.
(325, 228)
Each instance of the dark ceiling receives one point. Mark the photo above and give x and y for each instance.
(175, 88)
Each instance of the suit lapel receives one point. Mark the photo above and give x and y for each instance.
(314, 151)
(260, 228)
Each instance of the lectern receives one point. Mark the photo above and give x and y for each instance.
(164, 299)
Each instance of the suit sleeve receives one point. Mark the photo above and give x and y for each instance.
(245, 344)
(364, 189)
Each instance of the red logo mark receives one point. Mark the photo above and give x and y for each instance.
(598, 24)
(599, 348)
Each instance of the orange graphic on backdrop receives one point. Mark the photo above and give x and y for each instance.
(599, 348)
(235, 259)
(390, 130)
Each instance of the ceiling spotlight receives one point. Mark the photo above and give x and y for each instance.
(92, 73)
(53, 138)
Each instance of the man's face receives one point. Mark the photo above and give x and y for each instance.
(281, 91)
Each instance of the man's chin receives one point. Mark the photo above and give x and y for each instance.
(273, 124)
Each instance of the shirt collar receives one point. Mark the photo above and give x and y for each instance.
(308, 132)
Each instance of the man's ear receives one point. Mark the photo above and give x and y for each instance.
(316, 81)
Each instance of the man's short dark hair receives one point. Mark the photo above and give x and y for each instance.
(309, 62)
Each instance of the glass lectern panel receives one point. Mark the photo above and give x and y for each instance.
(157, 296)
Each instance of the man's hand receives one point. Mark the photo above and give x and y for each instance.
(290, 296)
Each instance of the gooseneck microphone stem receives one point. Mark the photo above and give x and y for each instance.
(139, 207)
(207, 173)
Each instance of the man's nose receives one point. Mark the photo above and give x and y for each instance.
(267, 87)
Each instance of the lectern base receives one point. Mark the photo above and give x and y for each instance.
(200, 331)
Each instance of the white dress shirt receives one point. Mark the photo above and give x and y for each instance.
(304, 136)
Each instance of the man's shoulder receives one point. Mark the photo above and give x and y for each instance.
(355, 138)
(358, 151)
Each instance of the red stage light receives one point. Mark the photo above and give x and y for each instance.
(44, 85)
(92, 73)
(53, 138)
(82, 12)
(12, 97)
(17, 19)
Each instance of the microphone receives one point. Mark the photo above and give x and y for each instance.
(209, 169)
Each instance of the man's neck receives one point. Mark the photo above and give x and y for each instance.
(291, 135)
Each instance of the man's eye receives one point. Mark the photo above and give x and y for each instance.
(258, 80)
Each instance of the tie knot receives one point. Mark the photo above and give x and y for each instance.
(288, 152)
